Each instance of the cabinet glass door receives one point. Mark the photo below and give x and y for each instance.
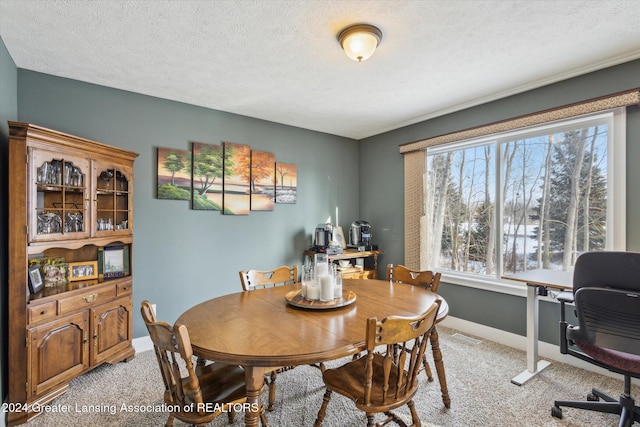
(114, 199)
(59, 196)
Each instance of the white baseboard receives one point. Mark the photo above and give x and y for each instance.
(545, 350)
(142, 344)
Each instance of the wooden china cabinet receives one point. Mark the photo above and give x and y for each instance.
(70, 201)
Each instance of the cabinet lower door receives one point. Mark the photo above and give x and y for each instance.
(58, 352)
(112, 329)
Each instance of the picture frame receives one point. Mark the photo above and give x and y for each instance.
(55, 274)
(127, 268)
(35, 279)
(113, 261)
(84, 270)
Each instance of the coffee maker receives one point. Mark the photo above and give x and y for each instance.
(323, 235)
(324, 242)
(360, 235)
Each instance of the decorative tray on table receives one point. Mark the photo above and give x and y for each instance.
(296, 299)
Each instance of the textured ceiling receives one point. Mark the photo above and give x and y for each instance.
(280, 60)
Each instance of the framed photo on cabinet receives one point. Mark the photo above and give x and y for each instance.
(35, 279)
(113, 261)
(83, 270)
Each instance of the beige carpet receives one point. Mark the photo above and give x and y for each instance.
(478, 376)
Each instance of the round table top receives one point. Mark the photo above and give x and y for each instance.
(259, 328)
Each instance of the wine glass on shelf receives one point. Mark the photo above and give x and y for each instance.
(106, 176)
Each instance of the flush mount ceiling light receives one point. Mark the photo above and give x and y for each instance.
(360, 41)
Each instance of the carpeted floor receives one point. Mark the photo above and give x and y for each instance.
(478, 377)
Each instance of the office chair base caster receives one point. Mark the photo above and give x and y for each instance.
(556, 412)
(591, 397)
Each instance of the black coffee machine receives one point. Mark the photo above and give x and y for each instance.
(323, 241)
(324, 233)
(360, 235)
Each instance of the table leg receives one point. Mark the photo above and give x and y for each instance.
(254, 378)
(534, 366)
(437, 360)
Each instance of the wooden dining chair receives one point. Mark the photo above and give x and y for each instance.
(384, 379)
(426, 279)
(206, 391)
(259, 279)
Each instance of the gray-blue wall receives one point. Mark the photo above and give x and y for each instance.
(8, 111)
(382, 186)
(181, 256)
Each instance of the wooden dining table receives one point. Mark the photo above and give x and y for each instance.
(261, 329)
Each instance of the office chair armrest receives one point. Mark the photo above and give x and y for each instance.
(565, 297)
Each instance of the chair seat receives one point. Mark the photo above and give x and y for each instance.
(219, 382)
(617, 359)
(347, 380)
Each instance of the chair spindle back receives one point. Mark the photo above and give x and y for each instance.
(401, 274)
(257, 279)
(399, 375)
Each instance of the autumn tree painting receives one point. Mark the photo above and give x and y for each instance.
(263, 181)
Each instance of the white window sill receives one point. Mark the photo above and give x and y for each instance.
(504, 286)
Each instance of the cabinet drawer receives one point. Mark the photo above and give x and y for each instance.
(125, 288)
(41, 311)
(87, 299)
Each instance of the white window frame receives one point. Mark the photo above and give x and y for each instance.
(616, 189)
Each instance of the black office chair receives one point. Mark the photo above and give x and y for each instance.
(606, 291)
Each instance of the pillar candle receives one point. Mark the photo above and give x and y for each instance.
(337, 287)
(313, 292)
(326, 287)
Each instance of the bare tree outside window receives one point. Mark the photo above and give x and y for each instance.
(516, 202)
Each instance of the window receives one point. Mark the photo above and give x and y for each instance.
(529, 198)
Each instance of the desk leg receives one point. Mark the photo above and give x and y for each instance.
(533, 365)
(254, 378)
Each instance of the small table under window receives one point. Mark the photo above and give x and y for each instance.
(538, 281)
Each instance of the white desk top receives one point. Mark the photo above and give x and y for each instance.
(550, 278)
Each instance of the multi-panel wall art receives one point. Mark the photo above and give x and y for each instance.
(231, 178)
